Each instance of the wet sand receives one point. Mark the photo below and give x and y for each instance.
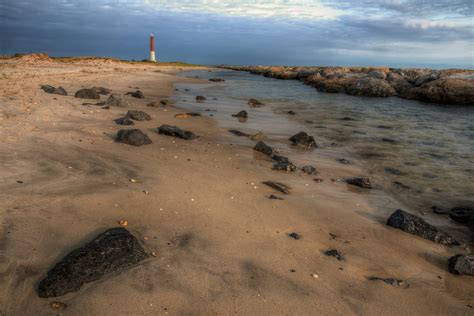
(222, 246)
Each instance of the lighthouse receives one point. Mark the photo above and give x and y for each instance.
(152, 48)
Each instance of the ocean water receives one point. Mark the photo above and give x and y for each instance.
(421, 154)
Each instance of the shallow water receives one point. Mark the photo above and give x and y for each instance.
(422, 154)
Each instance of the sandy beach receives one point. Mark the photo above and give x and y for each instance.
(217, 243)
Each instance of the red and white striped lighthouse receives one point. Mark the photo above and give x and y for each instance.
(152, 48)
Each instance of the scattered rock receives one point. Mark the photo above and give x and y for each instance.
(461, 214)
(291, 112)
(347, 118)
(334, 253)
(254, 103)
(216, 80)
(53, 90)
(318, 180)
(274, 197)
(309, 170)
(284, 166)
(461, 264)
(258, 136)
(360, 182)
(303, 139)
(343, 161)
(390, 281)
(280, 159)
(155, 104)
(116, 100)
(138, 115)
(137, 94)
(417, 226)
(176, 132)
(134, 137)
(393, 171)
(389, 140)
(283, 188)
(241, 114)
(295, 236)
(112, 251)
(87, 94)
(263, 148)
(102, 90)
(124, 121)
(200, 98)
(237, 132)
(440, 210)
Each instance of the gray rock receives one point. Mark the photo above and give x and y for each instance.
(112, 251)
(370, 87)
(176, 132)
(283, 188)
(87, 94)
(102, 90)
(134, 137)
(124, 121)
(426, 78)
(138, 115)
(415, 225)
(303, 139)
(280, 159)
(53, 90)
(378, 74)
(309, 170)
(116, 100)
(461, 264)
(263, 148)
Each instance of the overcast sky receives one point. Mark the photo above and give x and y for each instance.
(304, 32)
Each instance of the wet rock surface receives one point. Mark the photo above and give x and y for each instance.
(283, 188)
(136, 94)
(138, 115)
(461, 264)
(112, 251)
(279, 158)
(309, 170)
(200, 98)
(284, 166)
(241, 114)
(87, 94)
(303, 139)
(461, 214)
(216, 80)
(263, 148)
(238, 133)
(254, 103)
(116, 100)
(124, 121)
(415, 225)
(53, 90)
(175, 131)
(334, 253)
(360, 182)
(134, 137)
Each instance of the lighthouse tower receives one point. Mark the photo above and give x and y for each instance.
(152, 48)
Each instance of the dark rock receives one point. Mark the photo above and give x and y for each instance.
(107, 107)
(200, 98)
(295, 236)
(389, 140)
(274, 197)
(254, 103)
(417, 226)
(137, 94)
(176, 132)
(116, 100)
(155, 104)
(303, 139)
(138, 115)
(53, 90)
(102, 90)
(263, 148)
(281, 159)
(461, 214)
(164, 102)
(334, 253)
(384, 127)
(124, 121)
(346, 118)
(360, 182)
(241, 114)
(87, 94)
(370, 87)
(216, 80)
(112, 251)
(284, 166)
(440, 210)
(389, 281)
(401, 185)
(238, 133)
(393, 171)
(319, 180)
(461, 264)
(309, 170)
(343, 161)
(133, 137)
(291, 112)
(283, 188)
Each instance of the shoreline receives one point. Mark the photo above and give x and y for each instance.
(222, 245)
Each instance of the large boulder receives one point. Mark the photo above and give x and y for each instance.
(399, 83)
(461, 264)
(134, 137)
(417, 226)
(447, 90)
(370, 87)
(112, 251)
(426, 78)
(87, 94)
(176, 132)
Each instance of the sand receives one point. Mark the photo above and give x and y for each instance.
(222, 246)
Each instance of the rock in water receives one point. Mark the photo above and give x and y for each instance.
(254, 103)
(137, 94)
(138, 115)
(112, 251)
(176, 132)
(53, 90)
(461, 264)
(124, 121)
(283, 188)
(241, 114)
(285, 166)
(87, 94)
(216, 80)
(134, 137)
(263, 148)
(360, 182)
(200, 98)
(116, 100)
(417, 226)
(237, 132)
(303, 139)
